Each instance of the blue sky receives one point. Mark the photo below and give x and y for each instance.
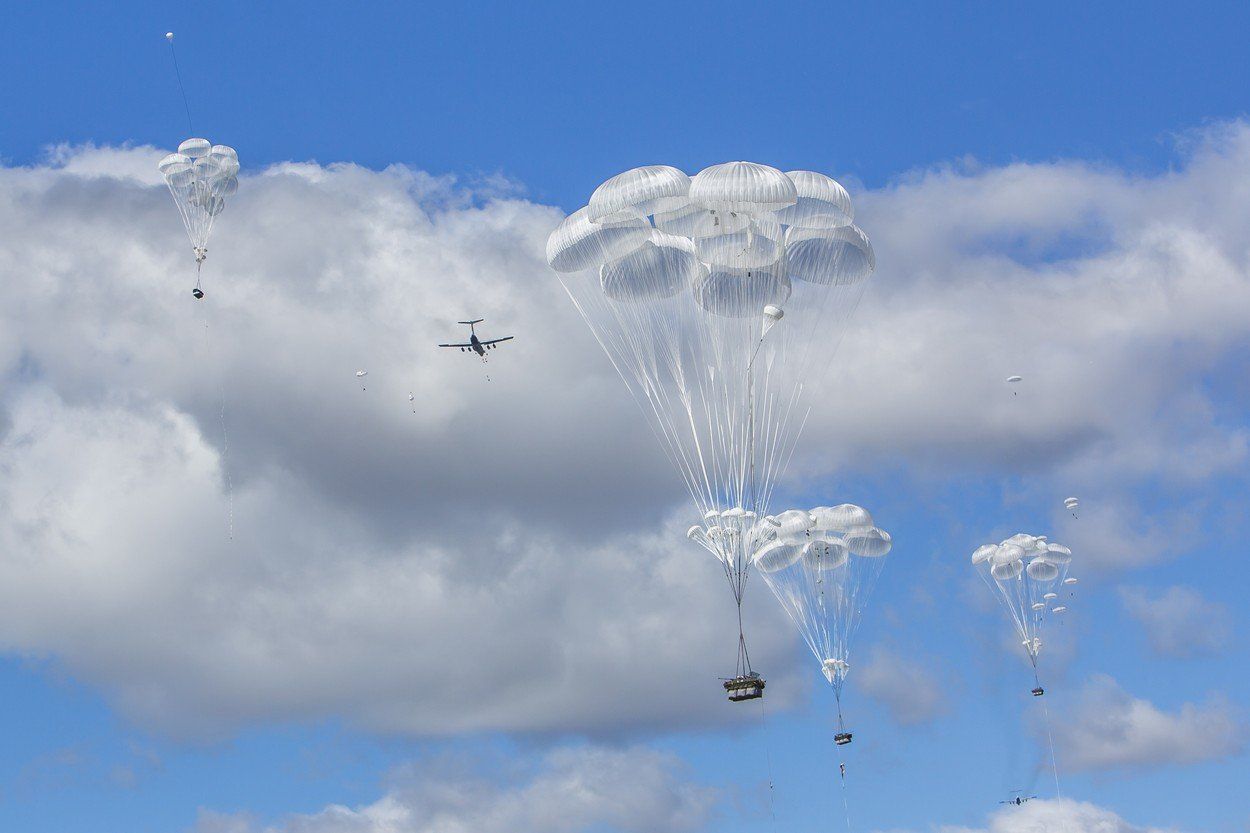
(556, 98)
(559, 96)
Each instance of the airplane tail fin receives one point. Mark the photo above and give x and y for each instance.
(477, 321)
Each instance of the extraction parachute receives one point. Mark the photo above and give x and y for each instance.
(1025, 571)
(720, 299)
(200, 176)
(822, 566)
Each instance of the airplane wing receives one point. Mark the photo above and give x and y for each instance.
(497, 340)
(455, 345)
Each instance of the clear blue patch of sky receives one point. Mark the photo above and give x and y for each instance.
(562, 95)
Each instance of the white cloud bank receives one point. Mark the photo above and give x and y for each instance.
(1179, 623)
(507, 557)
(1111, 729)
(1055, 814)
(910, 689)
(593, 789)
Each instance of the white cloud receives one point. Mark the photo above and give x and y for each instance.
(1179, 623)
(591, 789)
(1111, 531)
(1075, 277)
(307, 612)
(634, 790)
(1111, 729)
(909, 689)
(1055, 814)
(517, 539)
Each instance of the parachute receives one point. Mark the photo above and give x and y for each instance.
(361, 374)
(200, 176)
(1024, 571)
(1072, 504)
(822, 566)
(720, 299)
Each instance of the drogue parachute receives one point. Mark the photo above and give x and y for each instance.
(200, 176)
(720, 298)
(1026, 572)
(822, 566)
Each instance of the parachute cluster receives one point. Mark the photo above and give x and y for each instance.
(720, 299)
(822, 565)
(200, 176)
(732, 240)
(1026, 571)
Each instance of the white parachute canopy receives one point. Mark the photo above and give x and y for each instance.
(1025, 571)
(823, 575)
(200, 177)
(720, 298)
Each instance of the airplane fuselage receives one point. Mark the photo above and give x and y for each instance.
(475, 344)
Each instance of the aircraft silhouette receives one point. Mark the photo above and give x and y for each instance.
(475, 344)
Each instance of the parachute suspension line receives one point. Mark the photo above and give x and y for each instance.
(736, 575)
(225, 437)
(846, 806)
(737, 567)
(1050, 737)
(169, 36)
(768, 763)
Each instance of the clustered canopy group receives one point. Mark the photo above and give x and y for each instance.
(822, 565)
(1027, 571)
(734, 238)
(200, 176)
(720, 299)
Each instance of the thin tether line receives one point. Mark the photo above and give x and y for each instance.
(178, 74)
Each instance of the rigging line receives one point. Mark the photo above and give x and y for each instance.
(173, 52)
(768, 762)
(225, 437)
(846, 805)
(1054, 767)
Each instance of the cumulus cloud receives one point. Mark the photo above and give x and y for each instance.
(1111, 531)
(1179, 622)
(1055, 814)
(1076, 278)
(503, 626)
(911, 691)
(594, 790)
(507, 557)
(1111, 729)
(590, 789)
